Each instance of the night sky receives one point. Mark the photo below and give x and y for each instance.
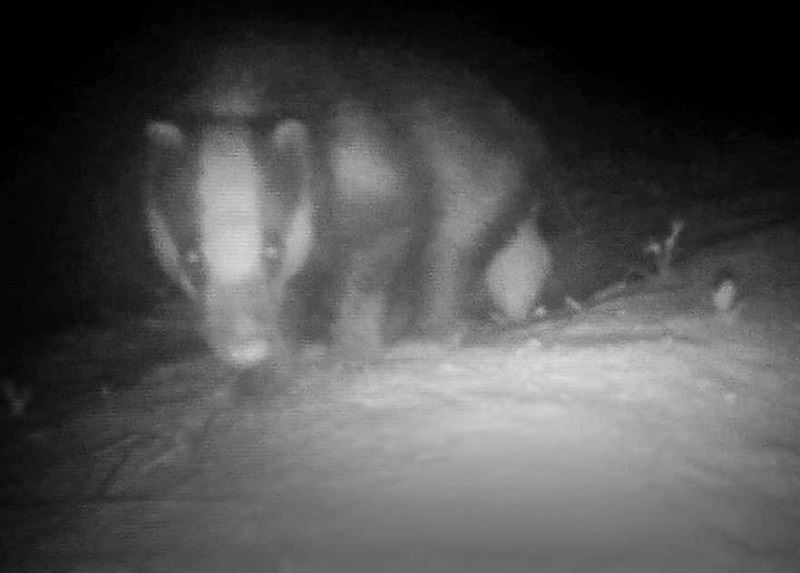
(76, 90)
(739, 67)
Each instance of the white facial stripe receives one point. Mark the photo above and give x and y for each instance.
(166, 250)
(299, 237)
(231, 224)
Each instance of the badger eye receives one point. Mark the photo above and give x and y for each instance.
(272, 249)
(193, 261)
(193, 257)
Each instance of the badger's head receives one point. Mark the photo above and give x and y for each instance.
(230, 211)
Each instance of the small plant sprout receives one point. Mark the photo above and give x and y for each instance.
(724, 294)
(16, 398)
(663, 251)
(573, 304)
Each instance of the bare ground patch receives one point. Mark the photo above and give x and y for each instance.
(649, 432)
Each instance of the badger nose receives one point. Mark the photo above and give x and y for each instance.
(243, 341)
(238, 338)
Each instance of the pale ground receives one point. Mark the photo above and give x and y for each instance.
(648, 432)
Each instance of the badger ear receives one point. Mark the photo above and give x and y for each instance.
(164, 136)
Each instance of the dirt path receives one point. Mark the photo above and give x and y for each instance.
(649, 432)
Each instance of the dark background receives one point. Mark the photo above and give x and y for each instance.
(664, 81)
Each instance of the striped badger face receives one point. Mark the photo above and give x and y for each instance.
(230, 215)
(300, 181)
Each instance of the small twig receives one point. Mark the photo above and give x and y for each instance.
(664, 251)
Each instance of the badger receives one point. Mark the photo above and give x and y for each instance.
(292, 176)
